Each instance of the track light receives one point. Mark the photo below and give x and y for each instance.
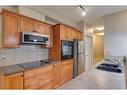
(83, 13)
(81, 10)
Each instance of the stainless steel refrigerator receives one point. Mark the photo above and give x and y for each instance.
(79, 57)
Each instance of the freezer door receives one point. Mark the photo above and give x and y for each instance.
(75, 58)
(81, 63)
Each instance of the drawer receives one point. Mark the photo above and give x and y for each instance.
(38, 78)
(38, 71)
(35, 82)
(48, 85)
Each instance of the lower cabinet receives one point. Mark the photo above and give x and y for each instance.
(41, 78)
(66, 71)
(47, 77)
(13, 81)
(56, 75)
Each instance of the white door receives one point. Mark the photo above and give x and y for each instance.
(88, 53)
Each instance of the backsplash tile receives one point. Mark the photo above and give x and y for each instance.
(26, 53)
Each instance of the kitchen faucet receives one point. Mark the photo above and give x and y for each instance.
(113, 60)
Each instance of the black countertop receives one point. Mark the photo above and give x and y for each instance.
(13, 69)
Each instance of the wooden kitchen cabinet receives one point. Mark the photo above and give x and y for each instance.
(66, 70)
(40, 78)
(11, 29)
(63, 32)
(27, 24)
(79, 35)
(41, 28)
(69, 34)
(49, 31)
(13, 81)
(56, 74)
(74, 34)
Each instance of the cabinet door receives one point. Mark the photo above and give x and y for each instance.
(11, 29)
(63, 73)
(56, 73)
(41, 28)
(14, 81)
(74, 34)
(69, 34)
(69, 68)
(79, 35)
(66, 71)
(63, 32)
(27, 24)
(49, 31)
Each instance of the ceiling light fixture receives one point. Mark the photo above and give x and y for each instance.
(99, 28)
(82, 10)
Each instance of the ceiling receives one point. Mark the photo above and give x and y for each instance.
(93, 12)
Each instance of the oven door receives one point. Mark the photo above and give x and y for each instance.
(66, 50)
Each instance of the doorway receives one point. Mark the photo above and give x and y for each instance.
(98, 47)
(88, 53)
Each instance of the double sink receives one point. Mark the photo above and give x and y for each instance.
(110, 67)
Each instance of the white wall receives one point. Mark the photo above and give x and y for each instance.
(115, 34)
(53, 14)
(12, 8)
(80, 26)
(31, 13)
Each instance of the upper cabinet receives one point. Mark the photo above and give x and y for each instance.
(40, 28)
(67, 33)
(49, 31)
(11, 29)
(14, 23)
(63, 32)
(27, 24)
(79, 35)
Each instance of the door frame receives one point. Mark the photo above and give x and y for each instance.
(91, 49)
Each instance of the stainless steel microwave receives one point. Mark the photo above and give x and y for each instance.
(33, 38)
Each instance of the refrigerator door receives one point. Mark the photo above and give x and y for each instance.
(75, 58)
(78, 57)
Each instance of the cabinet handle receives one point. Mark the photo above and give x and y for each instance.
(34, 31)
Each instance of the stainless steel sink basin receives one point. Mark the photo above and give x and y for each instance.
(109, 67)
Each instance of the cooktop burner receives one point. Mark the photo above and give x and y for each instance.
(33, 64)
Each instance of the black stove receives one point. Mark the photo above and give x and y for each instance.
(33, 64)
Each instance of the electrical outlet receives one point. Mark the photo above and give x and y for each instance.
(3, 57)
